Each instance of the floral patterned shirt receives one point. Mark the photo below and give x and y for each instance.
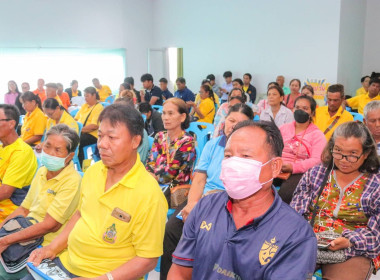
(173, 163)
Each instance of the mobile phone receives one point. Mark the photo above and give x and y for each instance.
(324, 244)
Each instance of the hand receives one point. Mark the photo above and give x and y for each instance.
(287, 167)
(191, 103)
(339, 243)
(38, 148)
(187, 209)
(3, 245)
(223, 90)
(142, 93)
(40, 254)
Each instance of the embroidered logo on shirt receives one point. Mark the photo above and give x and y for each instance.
(206, 226)
(267, 252)
(110, 235)
(51, 192)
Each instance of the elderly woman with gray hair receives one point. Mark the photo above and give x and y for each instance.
(53, 196)
(372, 121)
(341, 199)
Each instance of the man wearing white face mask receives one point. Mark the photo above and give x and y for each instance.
(246, 232)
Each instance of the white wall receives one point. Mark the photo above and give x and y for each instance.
(80, 24)
(296, 38)
(351, 44)
(371, 60)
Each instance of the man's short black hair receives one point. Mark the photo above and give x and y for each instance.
(129, 80)
(11, 112)
(363, 78)
(124, 114)
(163, 80)
(211, 77)
(238, 81)
(249, 75)
(227, 74)
(274, 138)
(374, 81)
(181, 80)
(146, 77)
(145, 107)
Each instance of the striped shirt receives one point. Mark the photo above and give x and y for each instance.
(366, 240)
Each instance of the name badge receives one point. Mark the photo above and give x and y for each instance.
(121, 215)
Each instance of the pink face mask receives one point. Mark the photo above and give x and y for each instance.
(240, 176)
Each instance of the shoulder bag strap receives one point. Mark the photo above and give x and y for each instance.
(325, 179)
(84, 124)
(331, 125)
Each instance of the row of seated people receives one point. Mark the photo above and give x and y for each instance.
(249, 117)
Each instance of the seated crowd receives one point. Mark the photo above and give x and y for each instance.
(278, 190)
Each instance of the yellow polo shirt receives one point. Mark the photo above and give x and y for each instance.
(92, 119)
(207, 107)
(323, 119)
(66, 119)
(104, 92)
(361, 91)
(34, 124)
(100, 241)
(198, 99)
(359, 102)
(58, 197)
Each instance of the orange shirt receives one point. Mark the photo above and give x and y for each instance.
(65, 99)
(41, 94)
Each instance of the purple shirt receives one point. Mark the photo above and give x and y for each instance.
(10, 98)
(227, 87)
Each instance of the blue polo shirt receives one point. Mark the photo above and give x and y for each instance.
(277, 245)
(167, 94)
(185, 94)
(155, 91)
(210, 163)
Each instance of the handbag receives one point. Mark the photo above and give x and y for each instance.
(15, 256)
(178, 195)
(325, 256)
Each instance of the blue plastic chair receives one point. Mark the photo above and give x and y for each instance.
(202, 134)
(74, 112)
(318, 275)
(92, 156)
(357, 116)
(75, 158)
(105, 104)
(158, 108)
(21, 119)
(256, 118)
(348, 109)
(110, 99)
(151, 140)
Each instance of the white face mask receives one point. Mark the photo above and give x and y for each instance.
(240, 176)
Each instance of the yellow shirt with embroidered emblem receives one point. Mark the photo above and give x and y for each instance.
(34, 124)
(66, 119)
(104, 92)
(323, 119)
(359, 102)
(58, 197)
(207, 108)
(92, 119)
(99, 241)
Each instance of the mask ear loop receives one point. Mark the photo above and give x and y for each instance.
(260, 172)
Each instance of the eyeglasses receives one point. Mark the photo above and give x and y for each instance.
(349, 158)
(5, 120)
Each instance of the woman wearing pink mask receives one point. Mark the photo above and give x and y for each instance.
(206, 180)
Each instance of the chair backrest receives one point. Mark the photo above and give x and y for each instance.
(202, 131)
(151, 140)
(158, 108)
(357, 116)
(89, 152)
(80, 126)
(21, 119)
(105, 104)
(348, 109)
(110, 99)
(74, 112)
(256, 118)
